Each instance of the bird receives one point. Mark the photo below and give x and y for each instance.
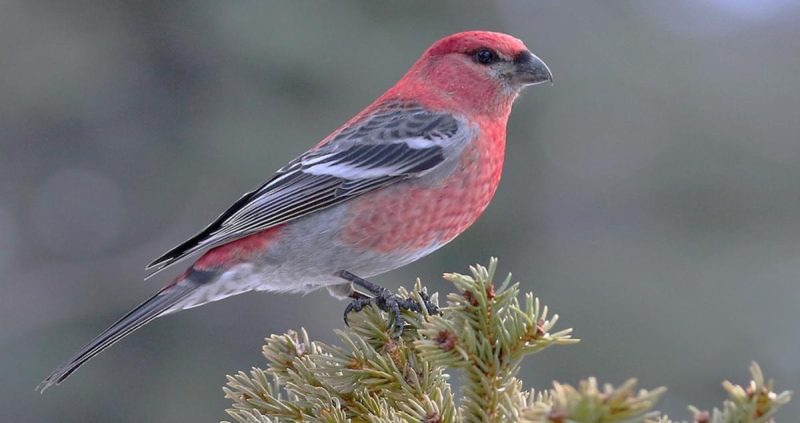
(396, 182)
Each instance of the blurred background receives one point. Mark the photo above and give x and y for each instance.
(650, 196)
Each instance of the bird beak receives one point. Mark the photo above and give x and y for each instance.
(530, 70)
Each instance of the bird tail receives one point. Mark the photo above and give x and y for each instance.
(157, 305)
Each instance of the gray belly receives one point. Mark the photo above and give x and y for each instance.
(310, 253)
(308, 256)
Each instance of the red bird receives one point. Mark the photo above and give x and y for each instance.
(396, 182)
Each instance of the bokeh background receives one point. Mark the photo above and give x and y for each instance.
(650, 196)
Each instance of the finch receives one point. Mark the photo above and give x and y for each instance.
(396, 182)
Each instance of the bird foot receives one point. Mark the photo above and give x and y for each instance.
(384, 300)
(393, 304)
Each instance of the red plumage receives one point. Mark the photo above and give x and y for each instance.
(400, 179)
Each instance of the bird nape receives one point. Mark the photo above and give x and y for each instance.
(399, 180)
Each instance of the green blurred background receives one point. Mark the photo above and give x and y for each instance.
(650, 196)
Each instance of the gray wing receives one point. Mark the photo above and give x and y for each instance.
(398, 142)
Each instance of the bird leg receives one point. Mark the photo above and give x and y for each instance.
(384, 300)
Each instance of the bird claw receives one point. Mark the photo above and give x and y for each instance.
(393, 304)
(355, 305)
(430, 307)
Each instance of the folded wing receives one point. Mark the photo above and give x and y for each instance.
(397, 142)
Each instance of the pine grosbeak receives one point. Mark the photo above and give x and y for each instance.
(399, 180)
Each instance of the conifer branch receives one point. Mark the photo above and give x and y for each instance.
(484, 332)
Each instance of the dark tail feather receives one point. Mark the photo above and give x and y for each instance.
(136, 318)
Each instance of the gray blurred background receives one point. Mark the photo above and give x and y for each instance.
(650, 196)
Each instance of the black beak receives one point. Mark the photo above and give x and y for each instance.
(530, 70)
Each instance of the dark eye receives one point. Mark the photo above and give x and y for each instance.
(485, 56)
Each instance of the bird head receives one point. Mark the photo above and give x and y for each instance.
(480, 70)
(490, 55)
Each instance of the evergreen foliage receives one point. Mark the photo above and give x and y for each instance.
(484, 332)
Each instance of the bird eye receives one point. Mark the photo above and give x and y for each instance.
(485, 56)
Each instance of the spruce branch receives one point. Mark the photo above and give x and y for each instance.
(589, 403)
(757, 403)
(484, 332)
